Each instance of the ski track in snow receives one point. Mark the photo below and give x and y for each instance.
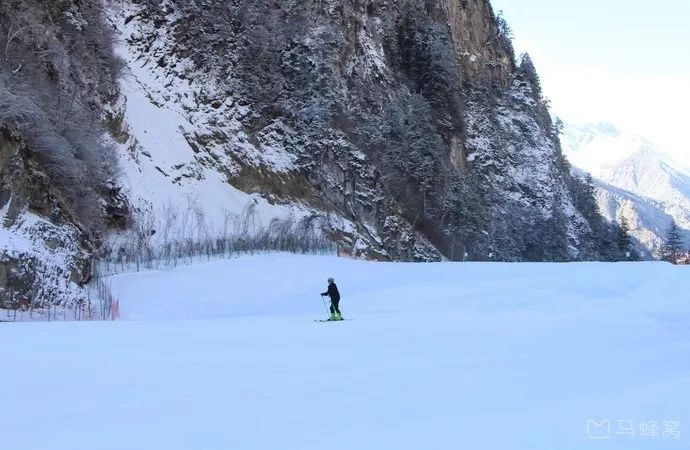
(225, 355)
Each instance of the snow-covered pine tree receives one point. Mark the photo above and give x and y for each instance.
(671, 250)
(528, 70)
(622, 238)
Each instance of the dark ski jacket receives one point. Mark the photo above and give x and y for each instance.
(332, 292)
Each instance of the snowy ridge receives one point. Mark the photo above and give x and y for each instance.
(646, 174)
(647, 219)
(636, 180)
(596, 147)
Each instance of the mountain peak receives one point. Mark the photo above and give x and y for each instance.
(636, 179)
(606, 128)
(598, 147)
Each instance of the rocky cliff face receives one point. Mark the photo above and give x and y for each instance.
(404, 129)
(57, 191)
(410, 119)
(45, 256)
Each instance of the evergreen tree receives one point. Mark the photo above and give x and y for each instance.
(596, 245)
(558, 129)
(528, 70)
(672, 246)
(589, 186)
(622, 237)
(505, 32)
(608, 245)
(555, 236)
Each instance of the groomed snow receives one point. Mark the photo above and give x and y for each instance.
(225, 355)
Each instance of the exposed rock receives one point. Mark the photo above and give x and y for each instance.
(44, 253)
(57, 192)
(357, 108)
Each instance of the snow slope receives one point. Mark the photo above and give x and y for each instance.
(225, 355)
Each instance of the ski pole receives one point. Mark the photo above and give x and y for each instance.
(328, 311)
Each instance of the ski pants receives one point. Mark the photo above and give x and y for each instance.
(334, 306)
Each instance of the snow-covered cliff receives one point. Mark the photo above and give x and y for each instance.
(400, 130)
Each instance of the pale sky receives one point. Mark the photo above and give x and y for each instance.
(621, 61)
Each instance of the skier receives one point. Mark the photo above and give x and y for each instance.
(333, 293)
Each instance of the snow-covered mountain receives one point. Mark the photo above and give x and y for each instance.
(139, 129)
(358, 124)
(647, 219)
(592, 146)
(647, 174)
(635, 180)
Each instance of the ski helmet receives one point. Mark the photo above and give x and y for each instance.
(331, 280)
